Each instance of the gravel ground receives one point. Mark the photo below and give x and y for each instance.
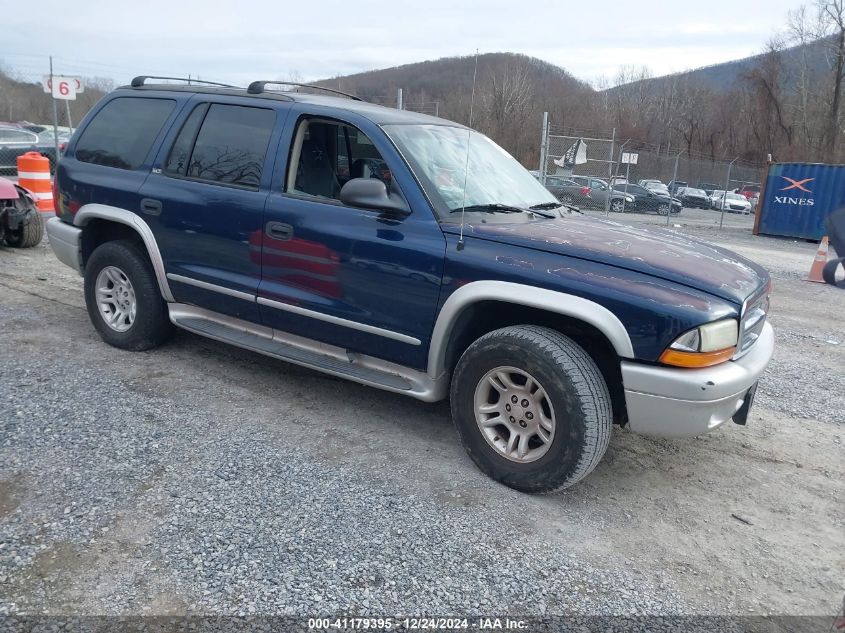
(201, 479)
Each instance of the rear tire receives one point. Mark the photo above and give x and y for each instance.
(561, 413)
(123, 297)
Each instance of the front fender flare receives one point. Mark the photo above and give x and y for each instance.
(530, 296)
(115, 214)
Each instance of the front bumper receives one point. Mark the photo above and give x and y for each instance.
(65, 240)
(670, 402)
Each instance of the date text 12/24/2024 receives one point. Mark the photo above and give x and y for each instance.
(416, 624)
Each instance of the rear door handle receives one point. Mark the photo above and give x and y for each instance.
(279, 230)
(153, 207)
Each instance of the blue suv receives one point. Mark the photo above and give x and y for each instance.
(407, 253)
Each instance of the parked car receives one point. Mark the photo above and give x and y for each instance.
(569, 191)
(675, 185)
(543, 326)
(20, 223)
(749, 191)
(694, 198)
(600, 192)
(15, 141)
(731, 202)
(649, 200)
(708, 187)
(752, 193)
(658, 188)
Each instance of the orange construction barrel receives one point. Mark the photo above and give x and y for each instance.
(34, 174)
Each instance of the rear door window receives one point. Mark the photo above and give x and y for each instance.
(123, 131)
(231, 145)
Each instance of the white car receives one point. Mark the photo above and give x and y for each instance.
(657, 187)
(731, 202)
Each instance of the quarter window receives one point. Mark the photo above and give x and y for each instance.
(177, 160)
(123, 132)
(231, 145)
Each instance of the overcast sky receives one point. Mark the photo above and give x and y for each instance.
(250, 39)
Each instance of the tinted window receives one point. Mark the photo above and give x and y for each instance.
(231, 145)
(177, 161)
(123, 132)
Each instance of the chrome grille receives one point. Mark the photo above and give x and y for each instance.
(754, 314)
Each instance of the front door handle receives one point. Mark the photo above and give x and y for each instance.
(279, 230)
(150, 206)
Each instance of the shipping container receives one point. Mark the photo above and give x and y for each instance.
(798, 198)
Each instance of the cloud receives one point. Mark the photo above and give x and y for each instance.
(270, 39)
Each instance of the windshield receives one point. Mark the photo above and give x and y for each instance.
(735, 196)
(438, 156)
(694, 192)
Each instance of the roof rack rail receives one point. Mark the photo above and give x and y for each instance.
(139, 81)
(257, 87)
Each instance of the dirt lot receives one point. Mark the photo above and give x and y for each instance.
(200, 478)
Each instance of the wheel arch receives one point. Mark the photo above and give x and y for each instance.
(100, 223)
(481, 307)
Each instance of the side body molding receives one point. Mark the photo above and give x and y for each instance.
(570, 305)
(122, 216)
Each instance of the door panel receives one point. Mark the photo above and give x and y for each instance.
(353, 277)
(205, 203)
(203, 232)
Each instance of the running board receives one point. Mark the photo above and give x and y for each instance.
(321, 357)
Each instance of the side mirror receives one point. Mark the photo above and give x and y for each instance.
(371, 193)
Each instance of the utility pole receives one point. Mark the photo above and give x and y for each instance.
(544, 147)
(399, 103)
(725, 194)
(55, 112)
(674, 181)
(627, 173)
(610, 173)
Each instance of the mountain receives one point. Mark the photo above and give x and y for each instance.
(511, 93)
(449, 80)
(814, 56)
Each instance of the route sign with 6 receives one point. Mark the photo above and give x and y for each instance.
(62, 87)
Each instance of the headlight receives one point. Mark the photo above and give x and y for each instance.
(704, 346)
(629, 198)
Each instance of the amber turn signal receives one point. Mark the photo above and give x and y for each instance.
(696, 359)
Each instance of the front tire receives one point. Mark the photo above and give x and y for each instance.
(663, 209)
(29, 234)
(123, 298)
(617, 207)
(531, 408)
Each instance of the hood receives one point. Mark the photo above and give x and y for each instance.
(652, 251)
(8, 190)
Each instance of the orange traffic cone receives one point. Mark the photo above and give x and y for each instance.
(818, 263)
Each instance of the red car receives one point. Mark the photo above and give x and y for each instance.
(20, 224)
(749, 191)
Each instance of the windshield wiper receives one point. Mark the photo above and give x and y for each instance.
(554, 205)
(495, 207)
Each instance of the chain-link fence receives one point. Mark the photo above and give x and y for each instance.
(595, 159)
